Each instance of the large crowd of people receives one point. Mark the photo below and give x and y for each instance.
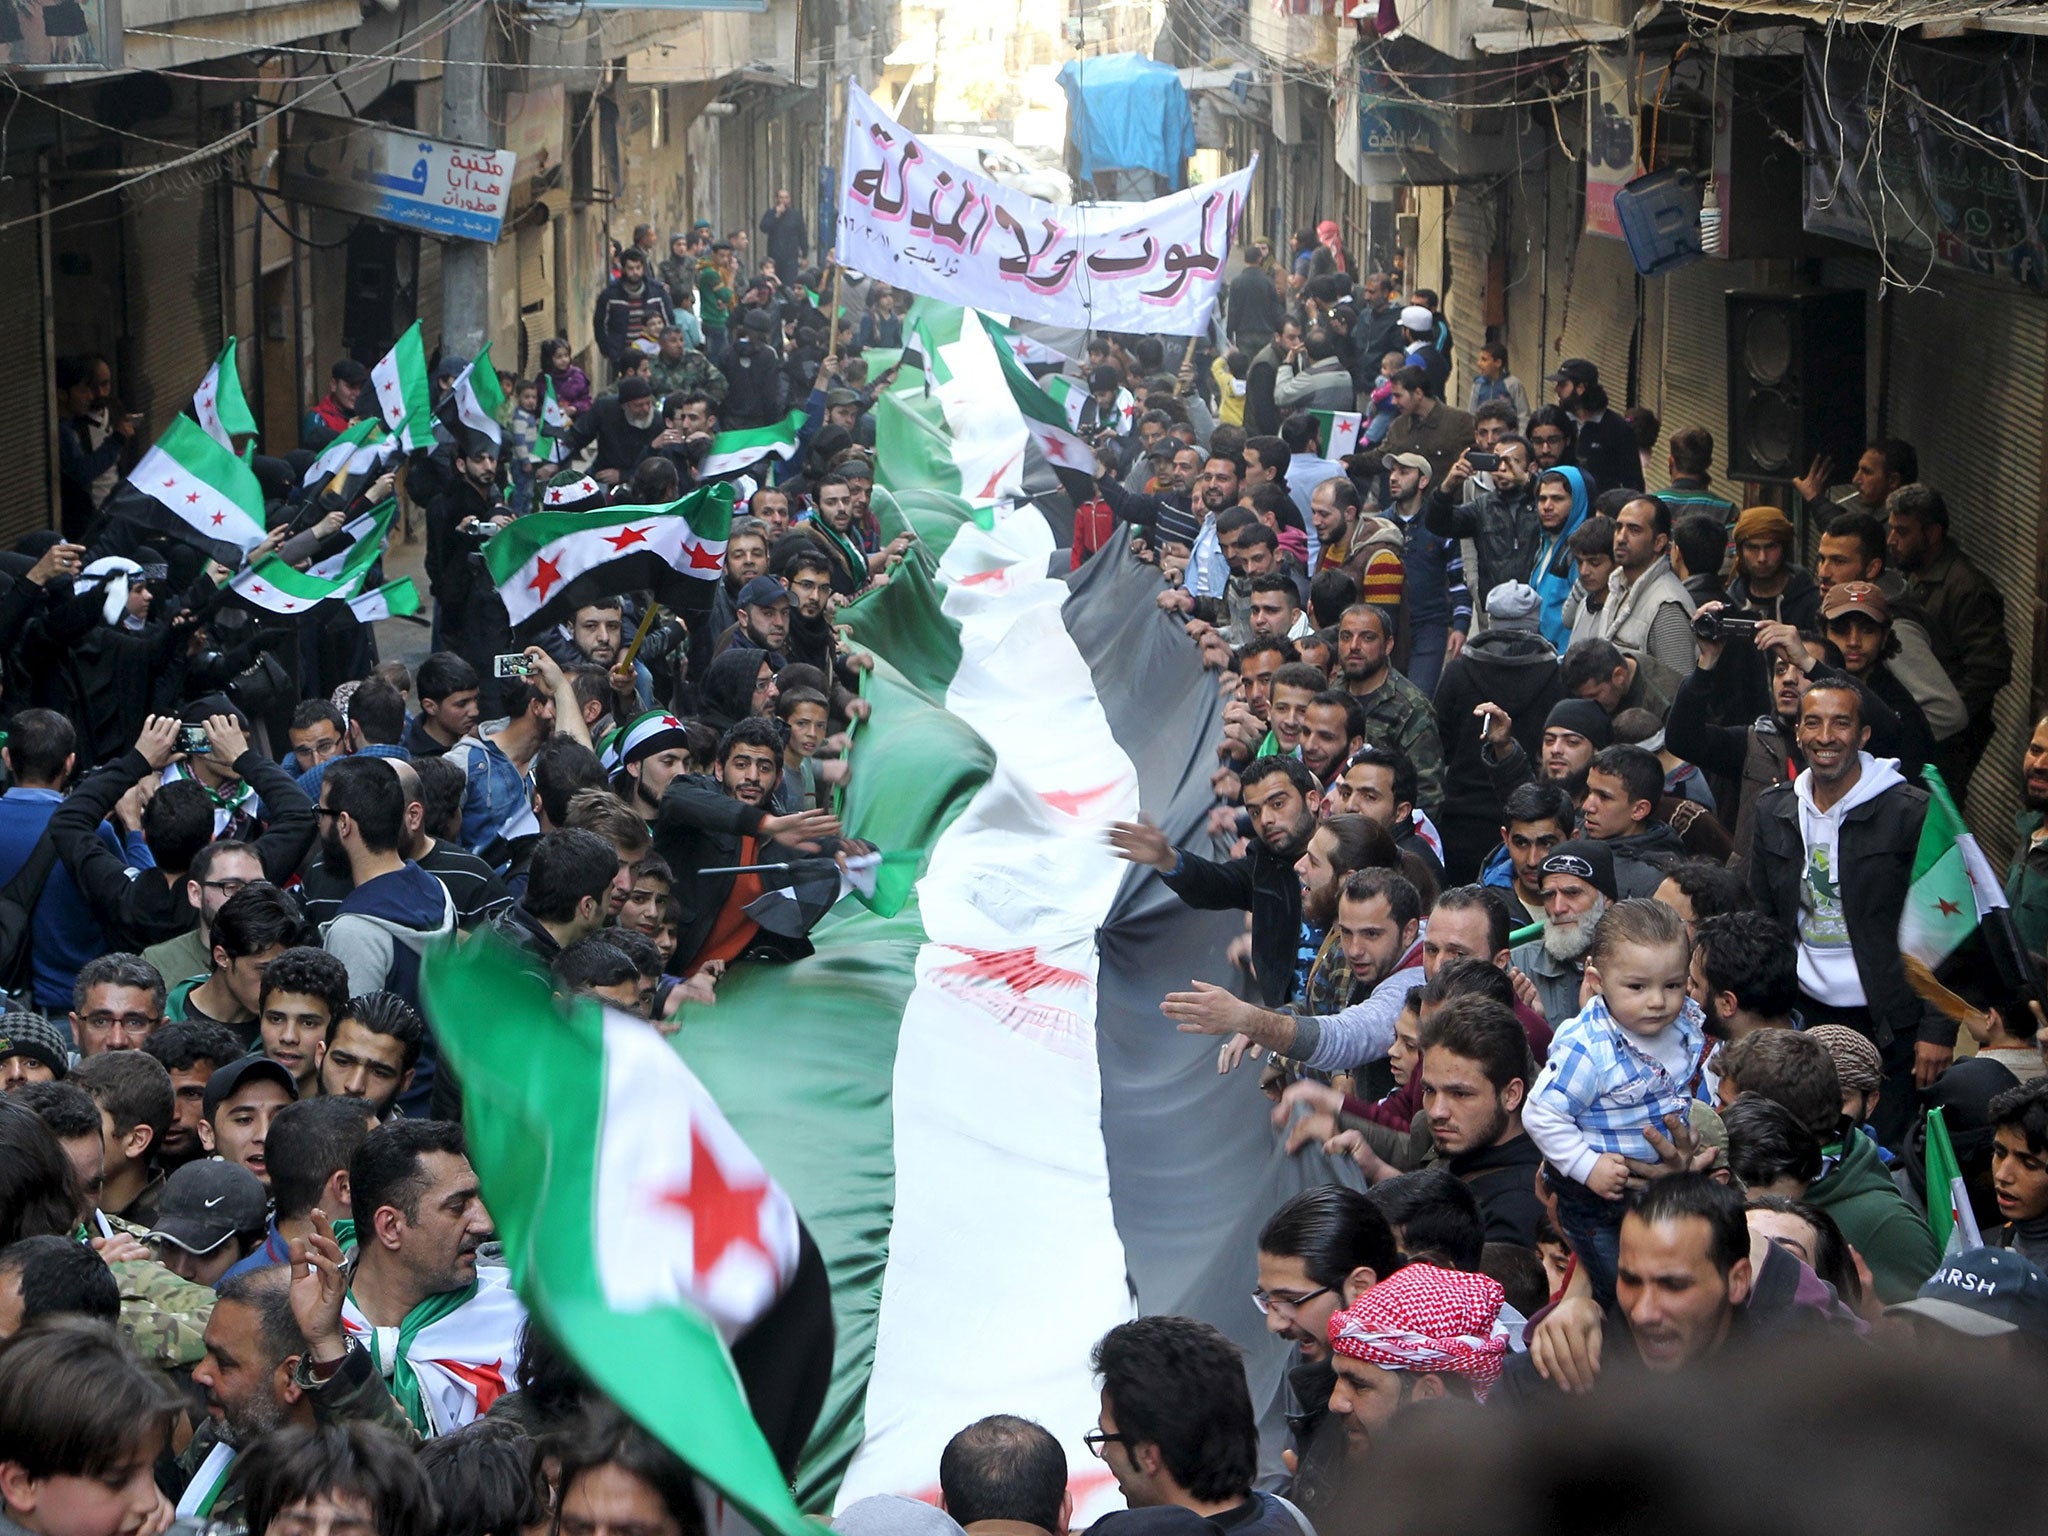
(1573, 824)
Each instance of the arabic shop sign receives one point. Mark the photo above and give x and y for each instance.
(452, 191)
(917, 220)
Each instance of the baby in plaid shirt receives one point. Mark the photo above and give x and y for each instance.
(1628, 1060)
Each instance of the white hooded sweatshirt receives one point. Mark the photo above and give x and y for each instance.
(1827, 966)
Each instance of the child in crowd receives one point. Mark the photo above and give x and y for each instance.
(1629, 1059)
(1383, 413)
(805, 776)
(522, 432)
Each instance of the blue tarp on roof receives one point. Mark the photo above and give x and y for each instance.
(1126, 112)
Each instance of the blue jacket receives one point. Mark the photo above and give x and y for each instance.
(497, 806)
(1556, 570)
(309, 781)
(66, 934)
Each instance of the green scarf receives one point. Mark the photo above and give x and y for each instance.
(856, 562)
(345, 1235)
(405, 1381)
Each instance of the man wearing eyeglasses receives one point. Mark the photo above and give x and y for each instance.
(118, 1000)
(1318, 1254)
(1177, 1429)
(219, 870)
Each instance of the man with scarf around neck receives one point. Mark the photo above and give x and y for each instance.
(440, 1330)
(1282, 798)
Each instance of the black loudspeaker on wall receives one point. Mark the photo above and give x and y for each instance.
(1795, 383)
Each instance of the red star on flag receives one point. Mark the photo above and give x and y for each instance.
(1948, 908)
(218, 517)
(205, 400)
(670, 722)
(554, 495)
(721, 1214)
(257, 589)
(171, 484)
(1055, 448)
(626, 536)
(546, 573)
(702, 559)
(192, 497)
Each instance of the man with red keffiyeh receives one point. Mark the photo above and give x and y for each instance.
(1422, 1333)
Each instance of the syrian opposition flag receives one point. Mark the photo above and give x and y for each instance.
(355, 448)
(742, 449)
(1017, 967)
(458, 1352)
(394, 600)
(1050, 425)
(1954, 894)
(192, 488)
(1949, 1214)
(553, 426)
(218, 403)
(367, 534)
(639, 1227)
(1339, 432)
(548, 564)
(400, 378)
(475, 400)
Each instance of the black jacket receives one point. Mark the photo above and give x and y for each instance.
(148, 909)
(787, 241)
(699, 826)
(1879, 839)
(1503, 1180)
(1262, 883)
(1607, 451)
(620, 444)
(620, 316)
(1518, 670)
(757, 391)
(1502, 524)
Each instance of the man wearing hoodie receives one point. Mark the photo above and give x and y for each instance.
(1623, 786)
(1562, 504)
(1512, 666)
(1648, 609)
(396, 909)
(1850, 814)
(1766, 582)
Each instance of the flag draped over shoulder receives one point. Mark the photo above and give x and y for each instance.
(400, 378)
(639, 1227)
(547, 564)
(219, 405)
(192, 488)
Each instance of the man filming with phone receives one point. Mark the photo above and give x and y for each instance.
(1501, 522)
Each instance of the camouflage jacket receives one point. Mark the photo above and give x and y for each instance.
(354, 1393)
(1398, 714)
(688, 373)
(163, 1317)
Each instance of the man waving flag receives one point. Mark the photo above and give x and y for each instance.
(638, 1226)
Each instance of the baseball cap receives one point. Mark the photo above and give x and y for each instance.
(23, 1033)
(228, 1080)
(1588, 858)
(1984, 1293)
(634, 387)
(841, 396)
(450, 366)
(1414, 461)
(761, 591)
(1856, 597)
(207, 1202)
(1578, 370)
(1416, 317)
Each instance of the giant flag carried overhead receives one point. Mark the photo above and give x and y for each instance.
(546, 564)
(192, 488)
(1047, 422)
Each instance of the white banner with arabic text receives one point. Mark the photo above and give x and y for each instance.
(919, 221)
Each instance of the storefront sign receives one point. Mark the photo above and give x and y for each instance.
(919, 221)
(451, 191)
(1935, 152)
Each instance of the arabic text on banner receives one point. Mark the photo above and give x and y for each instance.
(921, 222)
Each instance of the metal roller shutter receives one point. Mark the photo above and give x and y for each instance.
(1985, 344)
(173, 292)
(536, 293)
(429, 294)
(1694, 384)
(1469, 231)
(1602, 312)
(28, 497)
